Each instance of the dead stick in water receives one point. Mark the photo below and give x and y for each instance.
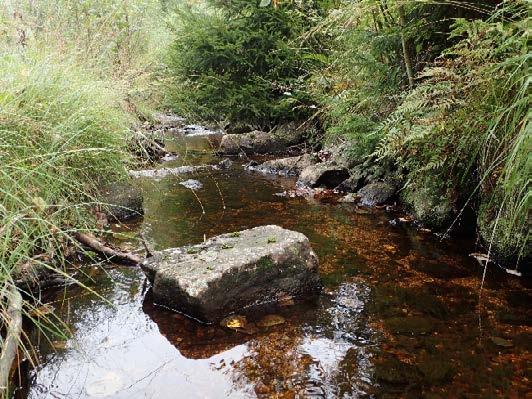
(93, 243)
(13, 323)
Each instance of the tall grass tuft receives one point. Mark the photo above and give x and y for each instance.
(75, 78)
(62, 134)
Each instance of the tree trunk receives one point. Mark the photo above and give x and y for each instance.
(406, 46)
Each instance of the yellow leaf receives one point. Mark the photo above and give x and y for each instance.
(234, 321)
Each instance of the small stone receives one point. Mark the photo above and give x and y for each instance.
(504, 343)
(324, 174)
(192, 184)
(376, 193)
(350, 198)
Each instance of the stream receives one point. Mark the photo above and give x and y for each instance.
(399, 315)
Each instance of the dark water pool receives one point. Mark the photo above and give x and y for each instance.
(399, 315)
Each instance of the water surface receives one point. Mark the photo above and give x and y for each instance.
(399, 315)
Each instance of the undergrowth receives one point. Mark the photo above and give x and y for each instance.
(75, 80)
(466, 125)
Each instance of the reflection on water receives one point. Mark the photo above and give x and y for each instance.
(398, 316)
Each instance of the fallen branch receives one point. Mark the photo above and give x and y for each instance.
(10, 345)
(110, 253)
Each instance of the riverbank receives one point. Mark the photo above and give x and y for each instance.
(368, 182)
(76, 82)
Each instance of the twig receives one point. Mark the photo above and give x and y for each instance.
(110, 253)
(149, 252)
(10, 344)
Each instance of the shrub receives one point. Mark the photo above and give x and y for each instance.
(243, 64)
(369, 75)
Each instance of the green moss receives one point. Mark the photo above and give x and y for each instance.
(430, 203)
(265, 263)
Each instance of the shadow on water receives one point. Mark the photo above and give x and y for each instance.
(398, 316)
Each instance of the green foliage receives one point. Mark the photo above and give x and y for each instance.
(461, 133)
(360, 87)
(366, 78)
(243, 64)
(62, 133)
(74, 78)
(120, 41)
(466, 126)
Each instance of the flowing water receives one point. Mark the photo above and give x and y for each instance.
(399, 315)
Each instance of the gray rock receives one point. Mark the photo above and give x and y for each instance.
(232, 271)
(164, 172)
(323, 174)
(432, 206)
(168, 120)
(353, 183)
(376, 193)
(225, 163)
(192, 184)
(340, 153)
(121, 201)
(291, 166)
(350, 198)
(258, 142)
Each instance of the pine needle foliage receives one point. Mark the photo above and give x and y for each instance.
(242, 64)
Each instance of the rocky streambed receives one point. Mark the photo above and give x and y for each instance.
(398, 315)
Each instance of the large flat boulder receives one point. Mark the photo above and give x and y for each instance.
(233, 271)
(258, 142)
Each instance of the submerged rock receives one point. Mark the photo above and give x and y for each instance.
(291, 166)
(233, 271)
(121, 201)
(410, 325)
(394, 371)
(324, 174)
(258, 142)
(376, 193)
